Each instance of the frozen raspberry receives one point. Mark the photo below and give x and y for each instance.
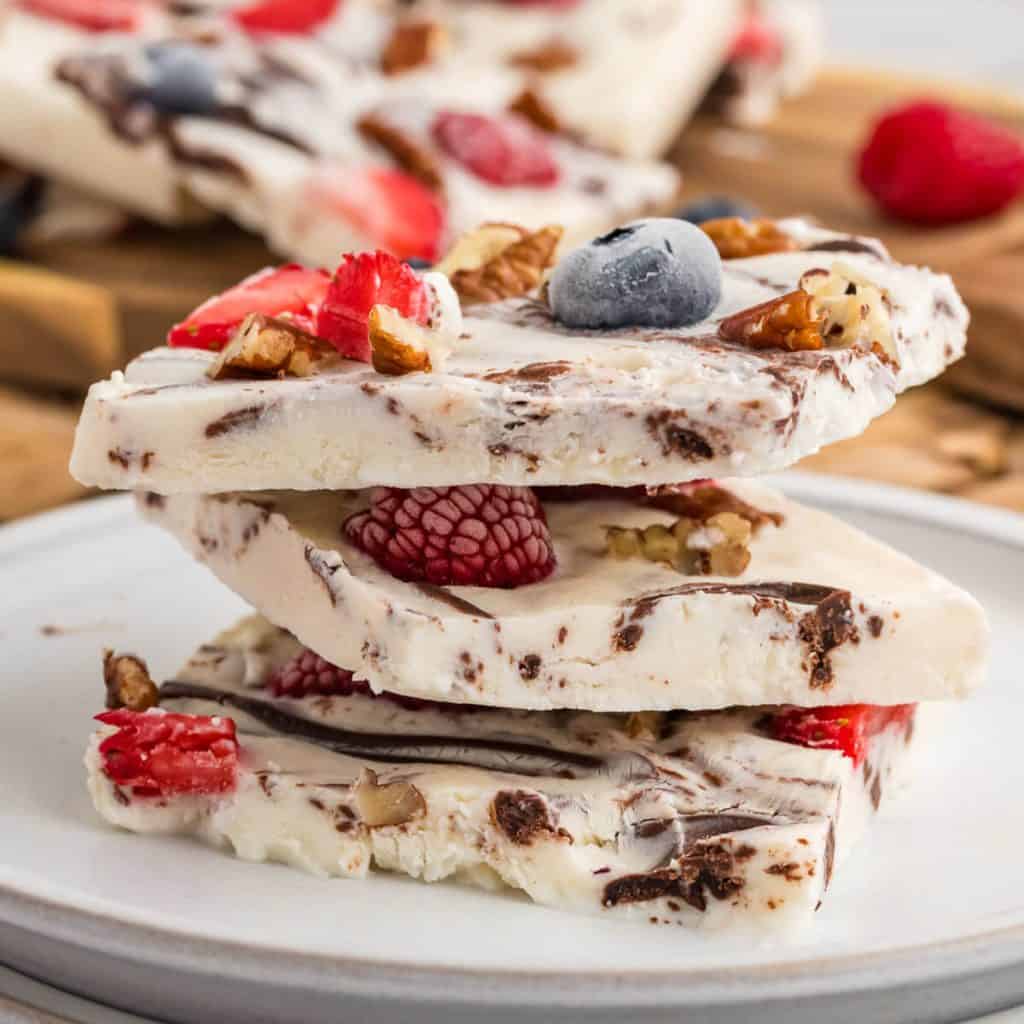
(362, 281)
(758, 41)
(157, 753)
(308, 675)
(847, 728)
(481, 535)
(289, 17)
(505, 150)
(290, 290)
(930, 164)
(391, 209)
(93, 16)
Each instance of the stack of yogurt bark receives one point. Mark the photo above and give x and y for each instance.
(523, 620)
(327, 126)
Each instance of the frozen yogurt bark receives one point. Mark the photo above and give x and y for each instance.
(525, 399)
(766, 601)
(703, 820)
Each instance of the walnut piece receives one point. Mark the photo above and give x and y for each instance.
(266, 346)
(703, 500)
(537, 111)
(718, 547)
(394, 803)
(411, 157)
(736, 238)
(854, 311)
(399, 345)
(554, 55)
(790, 322)
(129, 684)
(413, 44)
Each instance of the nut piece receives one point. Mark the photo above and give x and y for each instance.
(737, 238)
(855, 311)
(129, 684)
(722, 547)
(644, 725)
(536, 110)
(412, 44)
(479, 246)
(554, 55)
(719, 547)
(394, 803)
(401, 346)
(268, 346)
(411, 157)
(513, 270)
(705, 500)
(791, 322)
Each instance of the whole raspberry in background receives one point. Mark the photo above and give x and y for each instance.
(481, 535)
(931, 164)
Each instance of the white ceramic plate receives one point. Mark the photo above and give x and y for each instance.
(925, 923)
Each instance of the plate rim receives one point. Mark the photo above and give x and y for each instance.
(152, 945)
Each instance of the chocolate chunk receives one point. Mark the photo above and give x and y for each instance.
(830, 626)
(236, 420)
(529, 667)
(678, 440)
(523, 816)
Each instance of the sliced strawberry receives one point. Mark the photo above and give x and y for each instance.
(364, 280)
(386, 206)
(504, 150)
(157, 753)
(92, 15)
(847, 728)
(759, 41)
(292, 289)
(290, 17)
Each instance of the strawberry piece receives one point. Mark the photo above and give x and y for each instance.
(847, 728)
(391, 209)
(108, 16)
(275, 291)
(157, 753)
(364, 280)
(928, 163)
(757, 41)
(504, 150)
(287, 17)
(482, 535)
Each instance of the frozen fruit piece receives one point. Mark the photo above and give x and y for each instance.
(480, 535)
(108, 16)
(290, 17)
(716, 208)
(848, 728)
(364, 280)
(156, 753)
(928, 163)
(292, 291)
(504, 150)
(655, 273)
(758, 41)
(178, 78)
(390, 208)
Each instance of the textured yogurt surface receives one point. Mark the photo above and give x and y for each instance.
(525, 401)
(698, 820)
(822, 615)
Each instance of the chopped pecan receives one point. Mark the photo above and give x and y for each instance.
(401, 346)
(790, 322)
(394, 803)
(553, 55)
(129, 684)
(537, 111)
(736, 238)
(266, 346)
(412, 44)
(415, 159)
(515, 269)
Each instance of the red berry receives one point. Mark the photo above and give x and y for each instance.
(292, 17)
(504, 150)
(290, 289)
(847, 728)
(482, 535)
(388, 207)
(157, 753)
(930, 164)
(758, 40)
(92, 15)
(364, 280)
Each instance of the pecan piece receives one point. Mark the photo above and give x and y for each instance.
(412, 44)
(411, 157)
(394, 803)
(266, 346)
(128, 682)
(514, 270)
(536, 110)
(553, 55)
(790, 322)
(736, 238)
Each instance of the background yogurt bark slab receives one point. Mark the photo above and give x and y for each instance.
(700, 820)
(526, 401)
(822, 615)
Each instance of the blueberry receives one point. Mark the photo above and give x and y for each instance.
(178, 78)
(418, 264)
(715, 208)
(651, 273)
(20, 201)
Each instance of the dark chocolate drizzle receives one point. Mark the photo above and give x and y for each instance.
(811, 594)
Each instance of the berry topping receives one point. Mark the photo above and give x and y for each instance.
(930, 164)
(390, 208)
(291, 291)
(482, 535)
(758, 40)
(364, 280)
(161, 754)
(505, 150)
(109, 16)
(179, 78)
(716, 208)
(651, 273)
(847, 728)
(290, 17)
